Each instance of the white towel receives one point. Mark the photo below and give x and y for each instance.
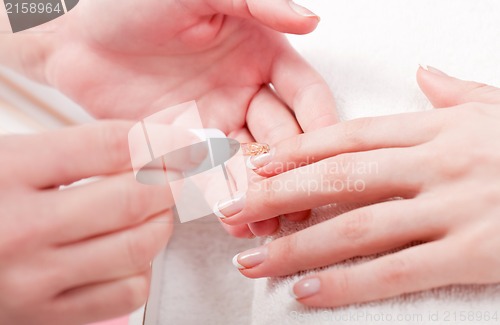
(369, 51)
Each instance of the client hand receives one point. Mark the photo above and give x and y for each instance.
(66, 254)
(442, 164)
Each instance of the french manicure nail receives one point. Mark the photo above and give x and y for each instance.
(302, 10)
(256, 162)
(433, 70)
(306, 288)
(250, 258)
(229, 207)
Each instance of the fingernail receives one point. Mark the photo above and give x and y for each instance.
(433, 70)
(250, 258)
(229, 207)
(302, 10)
(256, 162)
(306, 288)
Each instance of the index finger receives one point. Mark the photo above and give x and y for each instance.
(364, 134)
(64, 156)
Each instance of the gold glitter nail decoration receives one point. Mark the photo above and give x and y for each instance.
(254, 148)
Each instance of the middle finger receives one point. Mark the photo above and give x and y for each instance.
(363, 177)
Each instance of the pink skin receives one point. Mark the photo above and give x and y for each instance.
(66, 254)
(152, 54)
(452, 205)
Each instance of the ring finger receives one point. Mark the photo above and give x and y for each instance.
(116, 255)
(361, 232)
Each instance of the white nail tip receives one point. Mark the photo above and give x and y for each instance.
(424, 66)
(292, 294)
(217, 211)
(236, 263)
(249, 163)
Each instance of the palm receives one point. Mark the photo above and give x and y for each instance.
(128, 87)
(222, 62)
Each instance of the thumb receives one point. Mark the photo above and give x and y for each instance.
(445, 91)
(281, 15)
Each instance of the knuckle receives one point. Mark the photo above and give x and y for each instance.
(11, 287)
(289, 246)
(487, 110)
(138, 251)
(134, 202)
(135, 292)
(468, 108)
(306, 91)
(287, 254)
(295, 146)
(20, 238)
(268, 195)
(473, 245)
(115, 138)
(18, 287)
(451, 167)
(237, 231)
(356, 225)
(480, 90)
(395, 271)
(275, 131)
(342, 283)
(354, 131)
(336, 174)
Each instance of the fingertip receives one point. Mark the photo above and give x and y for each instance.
(229, 223)
(308, 287)
(235, 262)
(304, 26)
(308, 19)
(302, 11)
(167, 219)
(241, 231)
(434, 85)
(316, 291)
(252, 273)
(284, 16)
(443, 90)
(265, 228)
(298, 216)
(294, 25)
(269, 170)
(424, 76)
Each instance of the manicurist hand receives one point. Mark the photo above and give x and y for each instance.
(83, 253)
(444, 165)
(130, 58)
